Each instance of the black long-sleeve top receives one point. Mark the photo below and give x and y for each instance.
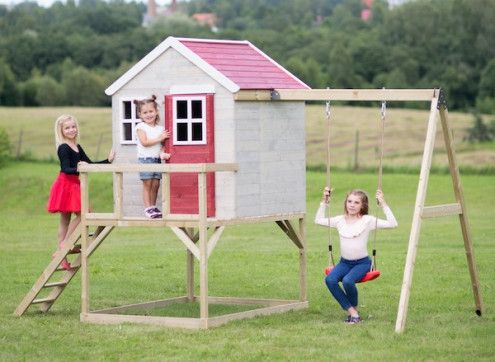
(70, 158)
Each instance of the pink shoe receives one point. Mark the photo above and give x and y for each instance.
(65, 265)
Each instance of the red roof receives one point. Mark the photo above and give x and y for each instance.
(244, 64)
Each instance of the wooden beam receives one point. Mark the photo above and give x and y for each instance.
(190, 245)
(416, 222)
(441, 210)
(169, 167)
(212, 242)
(338, 95)
(466, 232)
(96, 241)
(303, 289)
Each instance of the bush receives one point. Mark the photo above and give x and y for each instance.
(5, 147)
(479, 132)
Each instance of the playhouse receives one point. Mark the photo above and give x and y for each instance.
(238, 157)
(195, 81)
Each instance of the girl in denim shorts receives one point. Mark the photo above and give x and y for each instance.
(150, 137)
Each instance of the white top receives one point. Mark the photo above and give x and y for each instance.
(151, 133)
(354, 236)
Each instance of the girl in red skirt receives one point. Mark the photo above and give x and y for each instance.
(65, 194)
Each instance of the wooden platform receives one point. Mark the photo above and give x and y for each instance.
(198, 233)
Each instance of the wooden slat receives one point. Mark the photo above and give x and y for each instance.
(441, 210)
(338, 95)
(220, 320)
(177, 322)
(55, 284)
(43, 300)
(253, 95)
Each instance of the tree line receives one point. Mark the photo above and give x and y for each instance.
(69, 53)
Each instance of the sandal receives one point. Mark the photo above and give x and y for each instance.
(354, 320)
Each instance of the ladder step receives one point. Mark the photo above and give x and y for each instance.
(42, 300)
(55, 284)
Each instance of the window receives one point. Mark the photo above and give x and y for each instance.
(128, 121)
(189, 120)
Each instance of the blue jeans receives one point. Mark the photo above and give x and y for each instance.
(348, 272)
(149, 175)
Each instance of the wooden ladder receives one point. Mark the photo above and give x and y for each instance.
(57, 287)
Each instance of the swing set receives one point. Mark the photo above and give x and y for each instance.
(438, 106)
(373, 273)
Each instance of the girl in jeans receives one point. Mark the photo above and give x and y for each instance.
(354, 228)
(150, 138)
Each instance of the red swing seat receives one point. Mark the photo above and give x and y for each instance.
(369, 276)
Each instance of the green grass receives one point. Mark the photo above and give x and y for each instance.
(137, 264)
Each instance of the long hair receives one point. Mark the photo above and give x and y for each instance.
(59, 135)
(141, 102)
(364, 201)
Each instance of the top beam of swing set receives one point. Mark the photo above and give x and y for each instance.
(337, 95)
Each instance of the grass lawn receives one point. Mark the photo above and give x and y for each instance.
(137, 264)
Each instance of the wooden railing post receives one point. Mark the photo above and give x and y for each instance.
(83, 176)
(203, 248)
(118, 195)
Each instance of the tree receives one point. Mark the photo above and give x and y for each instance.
(8, 87)
(84, 88)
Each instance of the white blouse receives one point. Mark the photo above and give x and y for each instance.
(354, 236)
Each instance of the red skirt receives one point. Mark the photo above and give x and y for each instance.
(65, 194)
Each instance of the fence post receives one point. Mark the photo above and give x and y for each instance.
(19, 144)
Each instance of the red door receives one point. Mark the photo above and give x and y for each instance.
(190, 121)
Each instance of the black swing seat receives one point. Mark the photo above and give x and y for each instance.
(369, 276)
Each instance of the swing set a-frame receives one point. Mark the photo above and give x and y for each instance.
(438, 106)
(184, 228)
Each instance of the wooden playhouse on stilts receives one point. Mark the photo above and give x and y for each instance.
(238, 150)
(233, 162)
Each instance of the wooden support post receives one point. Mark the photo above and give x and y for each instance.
(84, 243)
(203, 250)
(303, 294)
(416, 222)
(466, 234)
(190, 265)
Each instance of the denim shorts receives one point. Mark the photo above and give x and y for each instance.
(149, 175)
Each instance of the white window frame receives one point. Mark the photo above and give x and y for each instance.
(134, 120)
(189, 120)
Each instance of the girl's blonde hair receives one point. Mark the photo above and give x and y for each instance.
(364, 201)
(141, 102)
(59, 135)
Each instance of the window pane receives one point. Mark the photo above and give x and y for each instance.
(127, 110)
(197, 109)
(197, 131)
(181, 109)
(181, 131)
(127, 131)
